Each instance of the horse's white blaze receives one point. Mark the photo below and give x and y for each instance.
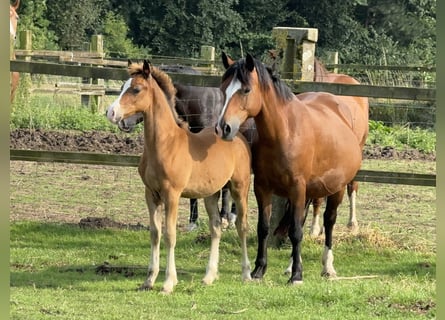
(113, 111)
(233, 87)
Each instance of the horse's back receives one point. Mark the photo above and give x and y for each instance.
(325, 111)
(213, 161)
(358, 105)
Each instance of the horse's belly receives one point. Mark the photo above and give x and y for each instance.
(202, 188)
(329, 183)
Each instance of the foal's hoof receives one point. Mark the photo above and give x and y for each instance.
(145, 287)
(329, 274)
(353, 227)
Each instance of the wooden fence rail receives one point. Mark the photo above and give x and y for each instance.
(426, 94)
(133, 161)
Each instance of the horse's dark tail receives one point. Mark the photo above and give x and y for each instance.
(283, 226)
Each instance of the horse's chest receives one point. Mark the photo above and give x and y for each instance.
(271, 165)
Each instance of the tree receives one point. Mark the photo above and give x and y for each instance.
(116, 42)
(74, 21)
(33, 17)
(179, 27)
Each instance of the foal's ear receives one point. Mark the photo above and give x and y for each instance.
(227, 60)
(129, 62)
(146, 69)
(249, 62)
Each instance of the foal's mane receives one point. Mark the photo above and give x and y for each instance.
(266, 76)
(165, 83)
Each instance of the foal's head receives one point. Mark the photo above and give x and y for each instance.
(246, 85)
(138, 93)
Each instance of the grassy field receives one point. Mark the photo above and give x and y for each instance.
(59, 270)
(54, 262)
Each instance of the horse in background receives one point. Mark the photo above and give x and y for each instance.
(178, 163)
(360, 128)
(306, 149)
(13, 19)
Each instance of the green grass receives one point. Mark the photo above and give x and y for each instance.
(53, 276)
(53, 261)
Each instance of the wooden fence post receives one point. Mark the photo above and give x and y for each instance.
(208, 53)
(25, 39)
(97, 45)
(332, 58)
(23, 93)
(94, 102)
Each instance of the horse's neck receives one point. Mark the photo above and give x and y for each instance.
(160, 125)
(272, 119)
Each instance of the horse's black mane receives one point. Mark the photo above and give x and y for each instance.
(265, 76)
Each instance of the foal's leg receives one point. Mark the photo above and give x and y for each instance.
(171, 217)
(155, 236)
(329, 219)
(211, 205)
(352, 193)
(316, 230)
(240, 197)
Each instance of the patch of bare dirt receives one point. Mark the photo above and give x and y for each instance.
(123, 143)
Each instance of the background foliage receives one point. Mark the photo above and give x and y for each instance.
(397, 32)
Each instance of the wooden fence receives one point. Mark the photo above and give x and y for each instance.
(425, 94)
(214, 81)
(133, 161)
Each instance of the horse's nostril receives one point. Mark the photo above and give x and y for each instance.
(226, 130)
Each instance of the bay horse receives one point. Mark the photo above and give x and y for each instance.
(361, 104)
(178, 163)
(13, 19)
(306, 149)
(321, 74)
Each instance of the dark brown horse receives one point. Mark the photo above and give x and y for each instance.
(178, 163)
(13, 19)
(306, 149)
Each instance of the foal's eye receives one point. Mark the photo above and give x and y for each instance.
(245, 91)
(135, 90)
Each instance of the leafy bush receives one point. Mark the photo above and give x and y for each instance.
(401, 137)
